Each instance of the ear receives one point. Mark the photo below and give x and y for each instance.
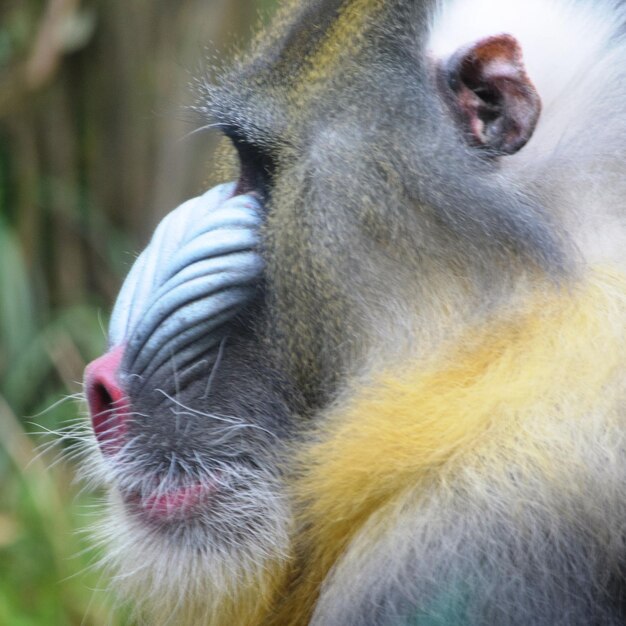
(493, 99)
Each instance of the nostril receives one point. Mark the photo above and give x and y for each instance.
(108, 404)
(107, 416)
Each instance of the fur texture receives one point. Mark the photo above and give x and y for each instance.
(419, 419)
(482, 485)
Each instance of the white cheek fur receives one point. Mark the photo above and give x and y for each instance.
(561, 39)
(574, 55)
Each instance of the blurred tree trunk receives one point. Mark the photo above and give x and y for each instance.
(94, 149)
(94, 135)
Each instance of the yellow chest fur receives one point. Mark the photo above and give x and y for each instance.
(529, 383)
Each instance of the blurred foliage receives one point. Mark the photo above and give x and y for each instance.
(95, 146)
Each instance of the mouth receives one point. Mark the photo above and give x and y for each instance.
(176, 491)
(161, 500)
(171, 505)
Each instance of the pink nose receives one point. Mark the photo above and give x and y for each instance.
(108, 404)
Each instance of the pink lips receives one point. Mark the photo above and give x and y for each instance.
(175, 504)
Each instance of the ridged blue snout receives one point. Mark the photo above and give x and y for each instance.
(201, 268)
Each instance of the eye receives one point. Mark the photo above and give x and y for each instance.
(256, 164)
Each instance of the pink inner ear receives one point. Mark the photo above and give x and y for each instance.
(491, 94)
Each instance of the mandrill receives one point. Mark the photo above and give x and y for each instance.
(380, 380)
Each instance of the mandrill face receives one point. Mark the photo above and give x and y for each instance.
(371, 220)
(188, 414)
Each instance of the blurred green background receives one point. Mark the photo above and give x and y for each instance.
(95, 147)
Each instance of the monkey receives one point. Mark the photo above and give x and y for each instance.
(379, 380)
